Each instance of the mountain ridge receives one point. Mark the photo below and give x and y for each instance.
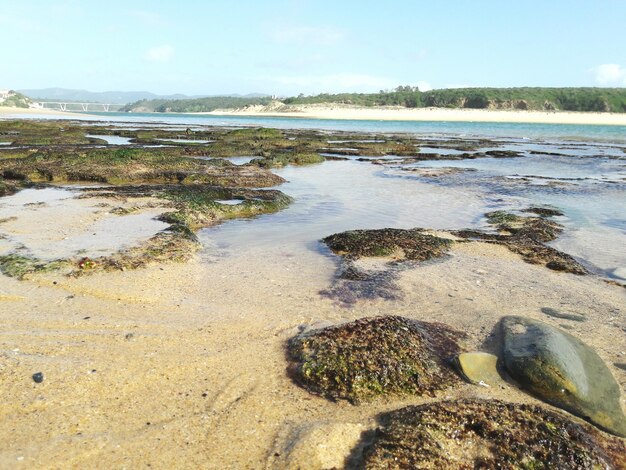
(113, 97)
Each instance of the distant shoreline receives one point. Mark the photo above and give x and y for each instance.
(346, 112)
(343, 112)
(10, 111)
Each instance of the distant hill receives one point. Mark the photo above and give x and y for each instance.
(13, 99)
(117, 97)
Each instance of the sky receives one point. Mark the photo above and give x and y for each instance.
(287, 47)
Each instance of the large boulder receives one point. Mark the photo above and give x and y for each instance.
(562, 370)
(360, 360)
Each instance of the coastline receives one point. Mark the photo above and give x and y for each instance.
(388, 113)
(20, 112)
(346, 112)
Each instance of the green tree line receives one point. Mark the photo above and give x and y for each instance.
(195, 105)
(528, 98)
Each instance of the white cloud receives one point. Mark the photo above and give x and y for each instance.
(610, 74)
(162, 53)
(316, 35)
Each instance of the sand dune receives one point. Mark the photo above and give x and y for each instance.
(389, 113)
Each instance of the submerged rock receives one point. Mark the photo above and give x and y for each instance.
(552, 312)
(562, 370)
(488, 434)
(374, 356)
(544, 211)
(479, 368)
(354, 283)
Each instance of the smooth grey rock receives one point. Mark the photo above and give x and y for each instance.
(562, 370)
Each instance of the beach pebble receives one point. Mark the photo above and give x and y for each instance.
(479, 368)
(38, 377)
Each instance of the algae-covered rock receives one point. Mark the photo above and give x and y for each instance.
(562, 370)
(527, 236)
(544, 211)
(412, 244)
(374, 356)
(488, 434)
(479, 368)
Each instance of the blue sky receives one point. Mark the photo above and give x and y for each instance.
(292, 46)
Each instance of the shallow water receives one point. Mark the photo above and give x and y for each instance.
(431, 128)
(230, 202)
(240, 160)
(112, 139)
(52, 223)
(546, 166)
(344, 195)
(185, 141)
(590, 191)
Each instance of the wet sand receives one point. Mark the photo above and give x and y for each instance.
(183, 365)
(390, 113)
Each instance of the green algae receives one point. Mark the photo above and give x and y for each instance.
(198, 206)
(192, 207)
(20, 266)
(282, 160)
(26, 132)
(131, 165)
(527, 236)
(544, 211)
(488, 434)
(411, 244)
(361, 360)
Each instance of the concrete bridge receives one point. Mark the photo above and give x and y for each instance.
(74, 106)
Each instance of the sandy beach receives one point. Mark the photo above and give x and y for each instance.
(185, 365)
(339, 111)
(26, 112)
(346, 112)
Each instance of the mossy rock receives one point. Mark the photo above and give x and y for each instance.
(20, 267)
(560, 369)
(411, 244)
(534, 228)
(527, 236)
(369, 357)
(490, 434)
(544, 211)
